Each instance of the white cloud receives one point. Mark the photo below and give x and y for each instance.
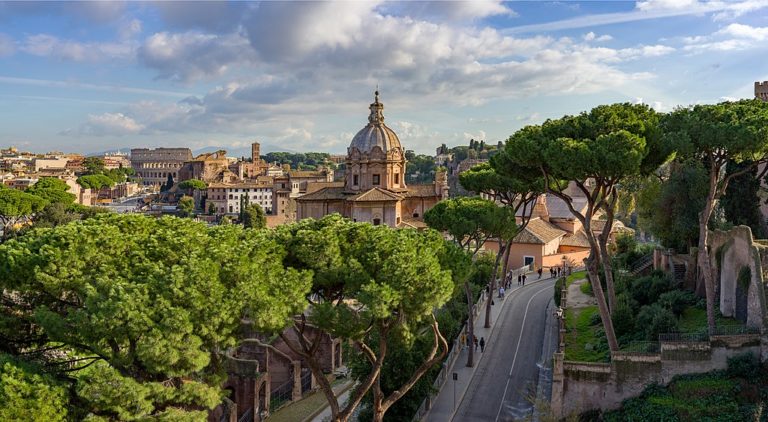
(745, 31)
(45, 45)
(193, 55)
(455, 10)
(649, 5)
(731, 38)
(116, 124)
(648, 10)
(591, 36)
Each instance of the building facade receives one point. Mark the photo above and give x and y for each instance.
(227, 197)
(154, 165)
(374, 188)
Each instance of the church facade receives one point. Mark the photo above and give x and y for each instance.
(374, 188)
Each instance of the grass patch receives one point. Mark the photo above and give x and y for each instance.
(583, 340)
(302, 409)
(694, 319)
(578, 275)
(586, 288)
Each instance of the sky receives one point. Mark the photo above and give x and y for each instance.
(95, 76)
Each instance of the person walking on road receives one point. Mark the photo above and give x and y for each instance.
(474, 337)
(523, 279)
(482, 344)
(463, 341)
(540, 270)
(519, 279)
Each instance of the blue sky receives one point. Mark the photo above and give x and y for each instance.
(92, 76)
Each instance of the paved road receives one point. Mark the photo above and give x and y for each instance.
(506, 377)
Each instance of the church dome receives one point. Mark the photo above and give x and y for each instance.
(375, 133)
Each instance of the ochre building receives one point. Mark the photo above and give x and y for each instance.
(374, 188)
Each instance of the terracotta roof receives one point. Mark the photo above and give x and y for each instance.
(539, 232)
(376, 195)
(420, 191)
(618, 226)
(307, 173)
(578, 239)
(316, 186)
(324, 194)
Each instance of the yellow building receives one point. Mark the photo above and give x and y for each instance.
(374, 188)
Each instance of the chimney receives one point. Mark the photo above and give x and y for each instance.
(540, 208)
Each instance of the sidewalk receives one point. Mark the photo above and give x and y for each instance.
(445, 404)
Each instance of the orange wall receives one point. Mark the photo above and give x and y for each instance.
(575, 257)
(517, 252)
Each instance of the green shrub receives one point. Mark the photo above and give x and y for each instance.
(677, 301)
(625, 243)
(623, 316)
(646, 290)
(654, 320)
(743, 366)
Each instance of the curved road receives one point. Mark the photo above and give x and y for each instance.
(506, 378)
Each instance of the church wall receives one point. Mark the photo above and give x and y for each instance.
(387, 213)
(417, 205)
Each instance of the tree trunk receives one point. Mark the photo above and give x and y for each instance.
(705, 267)
(492, 284)
(605, 315)
(376, 405)
(470, 325)
(505, 267)
(605, 259)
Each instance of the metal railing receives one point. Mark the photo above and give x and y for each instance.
(281, 395)
(697, 337)
(247, 416)
(641, 348)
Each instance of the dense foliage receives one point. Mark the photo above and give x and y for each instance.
(133, 310)
(737, 394)
(741, 202)
(395, 278)
(300, 161)
(252, 216)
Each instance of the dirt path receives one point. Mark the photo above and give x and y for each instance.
(577, 299)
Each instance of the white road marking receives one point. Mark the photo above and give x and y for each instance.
(517, 348)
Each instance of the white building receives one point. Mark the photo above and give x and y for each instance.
(226, 197)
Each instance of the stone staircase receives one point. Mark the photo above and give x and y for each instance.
(641, 265)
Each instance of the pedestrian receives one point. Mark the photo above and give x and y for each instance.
(482, 344)
(540, 270)
(519, 279)
(551, 272)
(523, 279)
(558, 271)
(475, 339)
(503, 290)
(463, 341)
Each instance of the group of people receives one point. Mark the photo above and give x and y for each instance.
(556, 271)
(475, 341)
